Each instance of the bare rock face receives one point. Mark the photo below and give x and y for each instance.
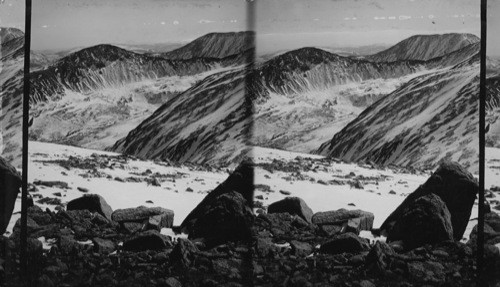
(229, 218)
(425, 221)
(240, 181)
(92, 203)
(292, 205)
(343, 220)
(135, 219)
(456, 187)
(10, 182)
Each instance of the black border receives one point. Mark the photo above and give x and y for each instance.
(26, 98)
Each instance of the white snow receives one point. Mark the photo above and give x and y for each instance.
(170, 195)
(374, 198)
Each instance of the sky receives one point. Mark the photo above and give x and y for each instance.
(344, 23)
(63, 24)
(492, 29)
(280, 24)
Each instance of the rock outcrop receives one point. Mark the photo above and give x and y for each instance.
(456, 187)
(10, 183)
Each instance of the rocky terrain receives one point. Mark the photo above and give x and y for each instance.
(215, 45)
(425, 47)
(95, 96)
(436, 119)
(11, 93)
(88, 243)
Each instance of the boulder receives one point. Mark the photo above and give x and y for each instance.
(292, 205)
(229, 218)
(147, 240)
(425, 221)
(380, 258)
(10, 183)
(343, 220)
(301, 249)
(152, 217)
(183, 253)
(345, 243)
(456, 187)
(103, 246)
(240, 181)
(92, 203)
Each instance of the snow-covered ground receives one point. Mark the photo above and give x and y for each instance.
(324, 185)
(492, 176)
(172, 194)
(98, 119)
(375, 196)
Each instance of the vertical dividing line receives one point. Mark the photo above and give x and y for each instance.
(482, 137)
(248, 279)
(26, 96)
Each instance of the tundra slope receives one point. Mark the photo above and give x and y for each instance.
(11, 93)
(300, 99)
(95, 96)
(431, 118)
(425, 47)
(304, 97)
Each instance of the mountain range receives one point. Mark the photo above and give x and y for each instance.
(307, 100)
(11, 93)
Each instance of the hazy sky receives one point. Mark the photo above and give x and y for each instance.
(12, 13)
(280, 24)
(59, 24)
(334, 23)
(492, 29)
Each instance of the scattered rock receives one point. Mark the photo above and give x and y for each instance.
(82, 189)
(10, 183)
(292, 205)
(55, 183)
(225, 216)
(103, 246)
(228, 218)
(425, 221)
(92, 203)
(347, 220)
(345, 243)
(284, 192)
(301, 249)
(456, 187)
(183, 253)
(147, 240)
(153, 217)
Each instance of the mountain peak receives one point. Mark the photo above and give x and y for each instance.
(9, 33)
(215, 45)
(425, 47)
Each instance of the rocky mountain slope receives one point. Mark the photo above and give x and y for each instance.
(300, 99)
(215, 45)
(425, 47)
(431, 118)
(209, 123)
(11, 94)
(305, 96)
(95, 96)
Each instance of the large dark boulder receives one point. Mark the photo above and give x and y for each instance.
(92, 203)
(425, 221)
(456, 187)
(345, 243)
(147, 240)
(292, 205)
(229, 218)
(10, 182)
(229, 214)
(343, 220)
(144, 217)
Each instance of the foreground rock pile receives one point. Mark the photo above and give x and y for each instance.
(286, 244)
